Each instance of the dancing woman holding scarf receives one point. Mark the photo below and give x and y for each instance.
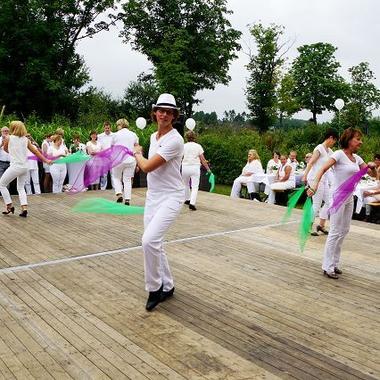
(345, 163)
(18, 147)
(164, 199)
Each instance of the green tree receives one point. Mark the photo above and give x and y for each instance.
(140, 95)
(189, 42)
(231, 117)
(317, 83)
(364, 96)
(40, 69)
(206, 118)
(264, 67)
(287, 104)
(95, 107)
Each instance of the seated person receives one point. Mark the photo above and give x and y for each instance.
(252, 167)
(307, 158)
(292, 160)
(285, 179)
(375, 173)
(371, 196)
(274, 163)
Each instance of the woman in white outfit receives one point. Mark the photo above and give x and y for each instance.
(47, 183)
(93, 148)
(285, 179)
(164, 198)
(58, 171)
(191, 168)
(33, 175)
(18, 147)
(345, 164)
(274, 163)
(252, 167)
(321, 154)
(122, 174)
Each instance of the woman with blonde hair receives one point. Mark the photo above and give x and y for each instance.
(191, 168)
(58, 172)
(252, 167)
(122, 174)
(17, 145)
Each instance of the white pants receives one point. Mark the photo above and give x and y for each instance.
(104, 181)
(122, 177)
(58, 175)
(253, 187)
(9, 175)
(322, 194)
(278, 186)
(193, 173)
(339, 226)
(32, 176)
(160, 212)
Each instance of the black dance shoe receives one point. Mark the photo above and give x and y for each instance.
(187, 202)
(192, 207)
(168, 294)
(154, 299)
(126, 202)
(9, 210)
(322, 229)
(119, 200)
(24, 213)
(331, 275)
(337, 271)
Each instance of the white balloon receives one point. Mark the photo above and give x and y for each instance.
(140, 123)
(190, 124)
(339, 104)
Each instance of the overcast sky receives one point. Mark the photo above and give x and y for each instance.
(350, 25)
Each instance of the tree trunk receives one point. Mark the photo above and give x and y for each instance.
(314, 116)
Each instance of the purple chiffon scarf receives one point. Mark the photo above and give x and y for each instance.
(345, 190)
(99, 165)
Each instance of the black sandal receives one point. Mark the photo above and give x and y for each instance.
(9, 210)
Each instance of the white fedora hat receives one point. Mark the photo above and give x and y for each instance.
(166, 101)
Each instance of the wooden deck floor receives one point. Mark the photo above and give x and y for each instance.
(248, 304)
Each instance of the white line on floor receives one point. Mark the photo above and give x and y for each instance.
(125, 250)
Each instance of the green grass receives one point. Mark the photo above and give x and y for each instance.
(223, 189)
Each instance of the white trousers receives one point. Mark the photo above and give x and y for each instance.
(322, 194)
(32, 176)
(104, 181)
(160, 212)
(122, 177)
(278, 186)
(339, 226)
(193, 173)
(9, 175)
(58, 174)
(253, 187)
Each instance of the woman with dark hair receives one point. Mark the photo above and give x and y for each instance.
(345, 163)
(164, 198)
(274, 163)
(191, 168)
(321, 154)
